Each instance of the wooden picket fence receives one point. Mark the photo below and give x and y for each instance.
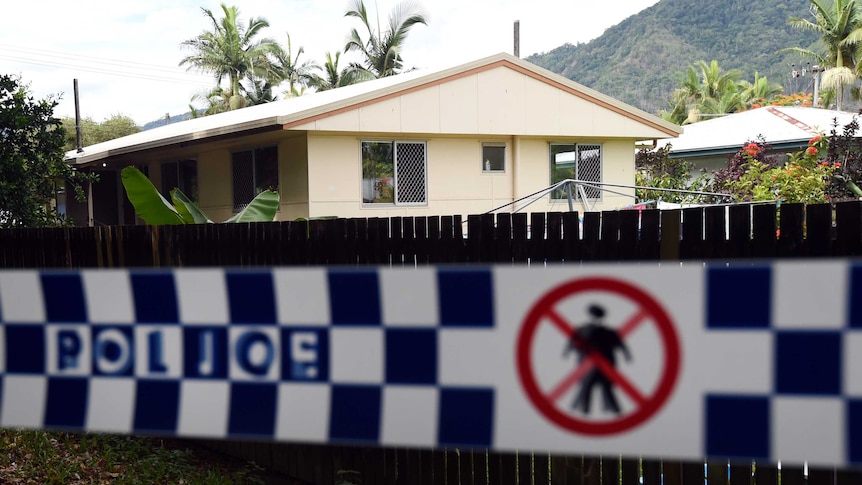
(740, 231)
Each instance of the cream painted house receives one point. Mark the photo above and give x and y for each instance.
(461, 140)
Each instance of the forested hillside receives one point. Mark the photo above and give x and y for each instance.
(641, 59)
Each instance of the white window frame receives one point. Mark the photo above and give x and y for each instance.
(575, 194)
(395, 144)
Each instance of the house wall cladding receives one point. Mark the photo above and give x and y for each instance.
(456, 183)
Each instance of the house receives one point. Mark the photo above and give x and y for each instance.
(461, 140)
(708, 144)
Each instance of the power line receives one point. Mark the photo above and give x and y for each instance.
(112, 72)
(97, 60)
(120, 68)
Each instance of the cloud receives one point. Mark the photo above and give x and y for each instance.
(126, 54)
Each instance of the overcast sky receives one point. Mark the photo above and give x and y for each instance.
(125, 54)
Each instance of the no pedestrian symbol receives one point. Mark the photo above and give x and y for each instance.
(596, 318)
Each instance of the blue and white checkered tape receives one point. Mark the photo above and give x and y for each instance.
(756, 361)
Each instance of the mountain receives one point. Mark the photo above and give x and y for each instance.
(166, 120)
(641, 60)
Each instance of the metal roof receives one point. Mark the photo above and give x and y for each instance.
(276, 115)
(780, 126)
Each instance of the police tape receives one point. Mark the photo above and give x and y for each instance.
(756, 360)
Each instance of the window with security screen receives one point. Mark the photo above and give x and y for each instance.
(253, 172)
(394, 172)
(579, 162)
(183, 175)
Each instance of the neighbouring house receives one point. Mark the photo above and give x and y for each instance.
(461, 140)
(708, 144)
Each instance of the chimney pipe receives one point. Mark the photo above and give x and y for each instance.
(518, 38)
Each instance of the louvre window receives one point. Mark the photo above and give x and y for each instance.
(576, 161)
(394, 173)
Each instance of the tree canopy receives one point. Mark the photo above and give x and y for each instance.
(706, 90)
(381, 51)
(92, 132)
(31, 157)
(251, 69)
(839, 25)
(231, 51)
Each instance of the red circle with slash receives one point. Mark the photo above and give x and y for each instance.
(649, 310)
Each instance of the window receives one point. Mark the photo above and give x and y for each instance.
(182, 175)
(253, 172)
(394, 172)
(579, 162)
(493, 157)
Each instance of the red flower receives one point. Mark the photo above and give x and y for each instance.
(837, 164)
(752, 149)
(814, 140)
(811, 151)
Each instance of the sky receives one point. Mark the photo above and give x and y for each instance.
(125, 54)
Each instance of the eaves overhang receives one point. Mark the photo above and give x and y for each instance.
(731, 149)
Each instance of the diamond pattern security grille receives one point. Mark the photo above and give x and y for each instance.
(589, 168)
(243, 179)
(410, 173)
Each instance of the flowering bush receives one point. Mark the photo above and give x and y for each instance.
(795, 99)
(724, 180)
(803, 178)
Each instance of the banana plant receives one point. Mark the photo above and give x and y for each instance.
(154, 209)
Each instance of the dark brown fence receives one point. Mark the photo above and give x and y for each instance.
(743, 231)
(320, 465)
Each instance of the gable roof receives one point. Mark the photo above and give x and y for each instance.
(783, 127)
(293, 112)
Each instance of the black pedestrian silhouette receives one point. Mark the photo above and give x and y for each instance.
(595, 337)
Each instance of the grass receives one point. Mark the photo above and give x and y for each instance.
(39, 457)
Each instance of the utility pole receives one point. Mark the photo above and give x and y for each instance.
(816, 70)
(79, 143)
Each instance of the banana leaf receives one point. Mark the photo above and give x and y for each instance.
(148, 202)
(188, 210)
(261, 209)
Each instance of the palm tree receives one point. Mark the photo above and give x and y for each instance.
(333, 78)
(758, 91)
(382, 51)
(839, 25)
(230, 51)
(260, 92)
(705, 89)
(216, 100)
(288, 68)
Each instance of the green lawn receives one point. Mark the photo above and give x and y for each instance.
(40, 457)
